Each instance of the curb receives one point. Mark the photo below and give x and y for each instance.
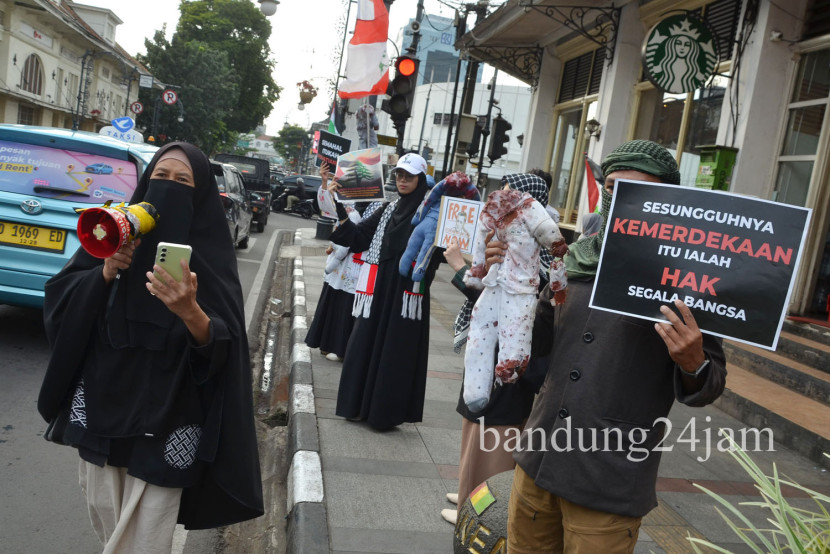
(307, 527)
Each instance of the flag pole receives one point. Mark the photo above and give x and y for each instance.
(342, 53)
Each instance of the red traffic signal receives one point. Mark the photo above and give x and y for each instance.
(402, 89)
(406, 66)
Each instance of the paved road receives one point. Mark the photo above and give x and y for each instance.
(42, 509)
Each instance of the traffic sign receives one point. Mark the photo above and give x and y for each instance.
(169, 97)
(136, 107)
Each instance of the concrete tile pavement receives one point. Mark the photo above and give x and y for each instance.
(383, 491)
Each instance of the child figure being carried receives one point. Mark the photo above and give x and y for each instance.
(503, 315)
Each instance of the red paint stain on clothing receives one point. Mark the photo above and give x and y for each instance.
(509, 371)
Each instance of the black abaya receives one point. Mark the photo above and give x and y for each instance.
(385, 367)
(333, 321)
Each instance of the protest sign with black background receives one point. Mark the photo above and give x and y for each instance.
(330, 148)
(730, 258)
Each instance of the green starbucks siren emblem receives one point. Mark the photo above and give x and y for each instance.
(679, 54)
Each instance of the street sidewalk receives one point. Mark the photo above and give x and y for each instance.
(384, 491)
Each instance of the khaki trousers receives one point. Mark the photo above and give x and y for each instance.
(128, 514)
(539, 521)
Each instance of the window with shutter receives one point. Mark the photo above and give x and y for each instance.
(31, 78)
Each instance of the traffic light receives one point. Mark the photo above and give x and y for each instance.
(499, 138)
(475, 142)
(401, 89)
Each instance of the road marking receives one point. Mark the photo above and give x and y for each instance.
(256, 286)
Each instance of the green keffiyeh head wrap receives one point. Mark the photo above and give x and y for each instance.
(638, 155)
(643, 155)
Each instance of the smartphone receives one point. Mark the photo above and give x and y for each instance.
(169, 256)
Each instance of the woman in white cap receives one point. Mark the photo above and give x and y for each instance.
(385, 368)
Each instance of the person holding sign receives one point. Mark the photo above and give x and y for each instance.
(385, 367)
(332, 323)
(602, 409)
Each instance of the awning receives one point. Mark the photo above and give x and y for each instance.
(513, 37)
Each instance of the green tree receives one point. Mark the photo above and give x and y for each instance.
(238, 28)
(362, 172)
(288, 138)
(207, 102)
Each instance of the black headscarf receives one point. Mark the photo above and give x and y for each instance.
(230, 489)
(186, 216)
(397, 232)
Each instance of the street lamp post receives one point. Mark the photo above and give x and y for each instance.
(268, 7)
(157, 109)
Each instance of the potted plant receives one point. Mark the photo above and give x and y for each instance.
(307, 92)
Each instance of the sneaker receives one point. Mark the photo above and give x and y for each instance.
(452, 497)
(333, 357)
(450, 515)
(323, 352)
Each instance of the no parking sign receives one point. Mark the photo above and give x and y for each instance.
(169, 97)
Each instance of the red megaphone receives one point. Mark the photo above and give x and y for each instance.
(102, 231)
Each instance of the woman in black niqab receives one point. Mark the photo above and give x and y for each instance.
(141, 391)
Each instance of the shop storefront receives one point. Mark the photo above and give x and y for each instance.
(606, 73)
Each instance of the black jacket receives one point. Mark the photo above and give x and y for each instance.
(607, 372)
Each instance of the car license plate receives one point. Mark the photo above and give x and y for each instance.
(30, 236)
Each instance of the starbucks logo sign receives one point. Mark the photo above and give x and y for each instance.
(679, 54)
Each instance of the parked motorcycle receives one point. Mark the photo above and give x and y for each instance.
(304, 208)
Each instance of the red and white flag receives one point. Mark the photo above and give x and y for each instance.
(593, 180)
(367, 66)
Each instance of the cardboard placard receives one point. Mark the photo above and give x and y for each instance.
(360, 176)
(732, 259)
(458, 219)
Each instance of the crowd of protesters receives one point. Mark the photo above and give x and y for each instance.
(586, 368)
(169, 436)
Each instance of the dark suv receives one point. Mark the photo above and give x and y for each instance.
(257, 176)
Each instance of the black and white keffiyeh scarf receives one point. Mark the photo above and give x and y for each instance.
(362, 305)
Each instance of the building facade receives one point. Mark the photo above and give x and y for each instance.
(61, 66)
(436, 50)
(766, 101)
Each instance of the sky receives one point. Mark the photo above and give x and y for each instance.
(303, 42)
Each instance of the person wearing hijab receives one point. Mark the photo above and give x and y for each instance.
(590, 225)
(333, 320)
(612, 379)
(384, 374)
(150, 377)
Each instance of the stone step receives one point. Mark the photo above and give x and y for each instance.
(805, 350)
(797, 422)
(812, 331)
(806, 380)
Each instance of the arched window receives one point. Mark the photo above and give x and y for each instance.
(31, 80)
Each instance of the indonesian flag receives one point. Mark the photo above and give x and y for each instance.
(593, 176)
(367, 65)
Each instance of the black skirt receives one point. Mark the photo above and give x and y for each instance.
(384, 374)
(333, 321)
